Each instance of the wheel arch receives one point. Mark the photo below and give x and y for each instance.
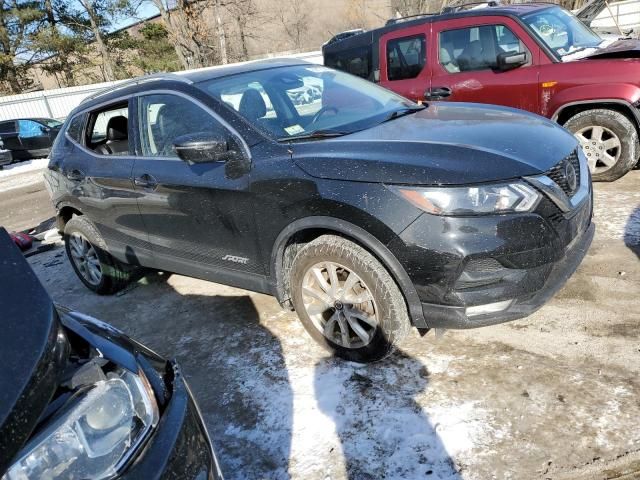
(65, 213)
(307, 229)
(563, 113)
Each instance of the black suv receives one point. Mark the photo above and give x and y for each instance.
(365, 212)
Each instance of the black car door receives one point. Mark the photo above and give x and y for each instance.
(199, 220)
(98, 173)
(9, 135)
(33, 135)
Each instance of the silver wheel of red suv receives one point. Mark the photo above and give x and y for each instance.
(608, 139)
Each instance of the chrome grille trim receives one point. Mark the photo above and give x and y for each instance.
(556, 193)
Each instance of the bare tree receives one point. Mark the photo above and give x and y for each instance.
(247, 18)
(94, 21)
(294, 17)
(404, 8)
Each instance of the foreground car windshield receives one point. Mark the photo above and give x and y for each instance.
(307, 100)
(561, 31)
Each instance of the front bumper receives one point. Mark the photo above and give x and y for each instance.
(442, 316)
(179, 447)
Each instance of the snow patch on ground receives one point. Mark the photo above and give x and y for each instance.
(367, 417)
(617, 215)
(22, 174)
(23, 167)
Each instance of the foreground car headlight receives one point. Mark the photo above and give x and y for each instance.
(474, 200)
(93, 438)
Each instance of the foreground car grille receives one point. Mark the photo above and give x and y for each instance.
(566, 173)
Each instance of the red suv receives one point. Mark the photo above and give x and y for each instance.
(537, 57)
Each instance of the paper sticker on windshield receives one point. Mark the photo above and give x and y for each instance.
(294, 129)
(318, 69)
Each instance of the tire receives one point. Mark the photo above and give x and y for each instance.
(114, 275)
(372, 296)
(612, 125)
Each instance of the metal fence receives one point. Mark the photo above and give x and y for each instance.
(57, 103)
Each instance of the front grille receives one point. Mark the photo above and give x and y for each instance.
(558, 173)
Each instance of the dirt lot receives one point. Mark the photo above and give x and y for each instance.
(556, 395)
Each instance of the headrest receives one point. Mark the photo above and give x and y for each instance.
(252, 104)
(117, 128)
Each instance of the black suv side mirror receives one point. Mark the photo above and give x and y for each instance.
(206, 147)
(202, 147)
(510, 60)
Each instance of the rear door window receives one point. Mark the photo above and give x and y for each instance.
(8, 127)
(108, 131)
(406, 57)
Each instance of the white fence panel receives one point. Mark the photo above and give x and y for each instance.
(626, 14)
(59, 102)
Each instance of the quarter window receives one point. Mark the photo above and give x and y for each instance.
(356, 61)
(74, 130)
(165, 117)
(405, 57)
(476, 48)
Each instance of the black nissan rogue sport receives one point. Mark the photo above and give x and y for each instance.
(363, 211)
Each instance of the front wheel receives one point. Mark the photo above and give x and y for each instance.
(608, 139)
(346, 300)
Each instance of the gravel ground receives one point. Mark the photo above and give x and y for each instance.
(552, 396)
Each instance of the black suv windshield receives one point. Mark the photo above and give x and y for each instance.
(307, 101)
(561, 31)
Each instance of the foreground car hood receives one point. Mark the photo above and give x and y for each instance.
(627, 48)
(32, 350)
(446, 144)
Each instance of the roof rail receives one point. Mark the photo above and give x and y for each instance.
(391, 21)
(137, 81)
(342, 35)
(457, 8)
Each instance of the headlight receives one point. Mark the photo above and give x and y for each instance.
(479, 199)
(95, 437)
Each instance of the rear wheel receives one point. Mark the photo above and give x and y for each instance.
(94, 265)
(608, 139)
(347, 300)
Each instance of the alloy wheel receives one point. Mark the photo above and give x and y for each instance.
(340, 304)
(85, 258)
(601, 146)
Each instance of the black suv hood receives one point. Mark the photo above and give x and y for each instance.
(31, 350)
(446, 143)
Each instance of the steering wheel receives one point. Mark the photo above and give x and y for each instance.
(321, 112)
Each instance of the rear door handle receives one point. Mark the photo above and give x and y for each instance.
(437, 93)
(75, 175)
(146, 181)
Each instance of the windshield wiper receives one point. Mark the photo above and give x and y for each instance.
(314, 134)
(402, 112)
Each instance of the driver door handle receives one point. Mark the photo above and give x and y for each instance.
(437, 93)
(146, 181)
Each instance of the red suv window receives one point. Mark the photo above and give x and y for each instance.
(406, 57)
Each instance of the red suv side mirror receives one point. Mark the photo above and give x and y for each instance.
(510, 60)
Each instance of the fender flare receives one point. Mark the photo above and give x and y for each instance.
(367, 240)
(628, 105)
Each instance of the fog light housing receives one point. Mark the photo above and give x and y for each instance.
(488, 308)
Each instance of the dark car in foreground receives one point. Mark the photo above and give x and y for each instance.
(81, 400)
(28, 138)
(365, 212)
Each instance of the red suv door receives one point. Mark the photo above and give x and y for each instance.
(463, 60)
(403, 61)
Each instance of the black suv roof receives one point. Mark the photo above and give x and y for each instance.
(370, 36)
(188, 77)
